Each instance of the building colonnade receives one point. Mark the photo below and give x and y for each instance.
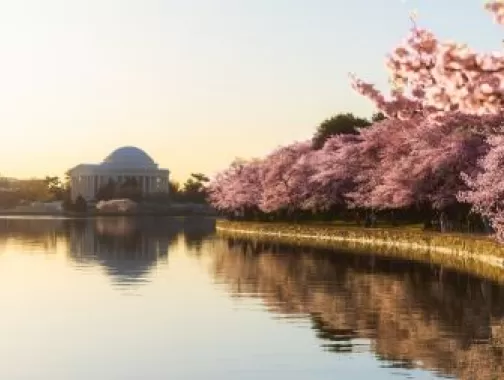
(88, 185)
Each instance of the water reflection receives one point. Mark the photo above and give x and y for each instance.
(127, 248)
(366, 312)
(410, 315)
(35, 233)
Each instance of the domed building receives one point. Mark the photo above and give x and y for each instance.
(124, 163)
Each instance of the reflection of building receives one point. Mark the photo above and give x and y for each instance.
(122, 164)
(126, 247)
(129, 247)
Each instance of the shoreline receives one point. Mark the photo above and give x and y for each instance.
(469, 253)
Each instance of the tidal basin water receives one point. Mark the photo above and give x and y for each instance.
(166, 298)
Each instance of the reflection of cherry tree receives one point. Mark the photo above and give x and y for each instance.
(118, 226)
(412, 313)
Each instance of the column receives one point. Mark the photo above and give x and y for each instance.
(139, 182)
(82, 180)
(73, 187)
(76, 187)
(88, 187)
(95, 185)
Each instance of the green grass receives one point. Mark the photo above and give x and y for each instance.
(378, 225)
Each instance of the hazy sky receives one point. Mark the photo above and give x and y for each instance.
(195, 83)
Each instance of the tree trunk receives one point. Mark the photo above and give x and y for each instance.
(373, 218)
(427, 224)
(393, 220)
(486, 225)
(367, 219)
(443, 221)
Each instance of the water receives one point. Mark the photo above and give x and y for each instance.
(119, 298)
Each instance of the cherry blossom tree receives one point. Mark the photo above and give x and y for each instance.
(486, 187)
(456, 97)
(219, 188)
(424, 161)
(441, 142)
(334, 169)
(285, 174)
(238, 188)
(380, 151)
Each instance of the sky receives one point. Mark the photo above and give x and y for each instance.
(195, 83)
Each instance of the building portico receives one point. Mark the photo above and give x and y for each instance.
(122, 164)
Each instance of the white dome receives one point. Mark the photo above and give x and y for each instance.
(129, 157)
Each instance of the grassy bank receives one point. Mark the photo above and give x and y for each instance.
(475, 254)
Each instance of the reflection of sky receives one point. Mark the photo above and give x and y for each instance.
(62, 321)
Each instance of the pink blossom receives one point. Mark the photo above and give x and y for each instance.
(441, 76)
(285, 175)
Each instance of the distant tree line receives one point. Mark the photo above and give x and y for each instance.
(25, 191)
(52, 188)
(192, 191)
